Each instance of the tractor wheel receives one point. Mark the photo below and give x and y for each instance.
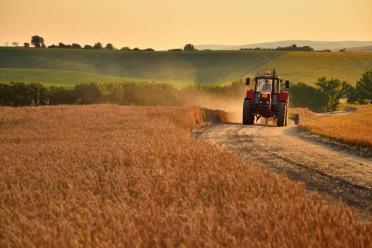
(248, 115)
(282, 115)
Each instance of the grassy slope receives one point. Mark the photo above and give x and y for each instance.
(308, 67)
(56, 77)
(176, 67)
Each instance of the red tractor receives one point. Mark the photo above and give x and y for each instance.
(266, 100)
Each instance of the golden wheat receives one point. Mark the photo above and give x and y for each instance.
(114, 176)
(353, 128)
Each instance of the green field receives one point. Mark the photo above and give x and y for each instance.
(63, 78)
(308, 66)
(69, 66)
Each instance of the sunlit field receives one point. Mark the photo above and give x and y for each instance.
(353, 128)
(308, 67)
(107, 175)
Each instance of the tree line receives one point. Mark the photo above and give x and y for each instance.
(293, 47)
(326, 94)
(39, 42)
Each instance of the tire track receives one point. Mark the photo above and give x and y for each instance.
(283, 150)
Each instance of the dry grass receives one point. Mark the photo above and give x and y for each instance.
(353, 128)
(303, 112)
(105, 175)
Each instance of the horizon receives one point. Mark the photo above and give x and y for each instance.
(9, 44)
(172, 24)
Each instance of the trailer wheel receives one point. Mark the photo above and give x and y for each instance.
(248, 115)
(282, 115)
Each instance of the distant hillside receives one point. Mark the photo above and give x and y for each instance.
(364, 48)
(317, 45)
(71, 66)
(175, 67)
(307, 67)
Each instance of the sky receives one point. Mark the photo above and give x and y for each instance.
(165, 24)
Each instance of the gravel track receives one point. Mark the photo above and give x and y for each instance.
(321, 167)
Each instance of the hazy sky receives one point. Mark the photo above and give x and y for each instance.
(163, 24)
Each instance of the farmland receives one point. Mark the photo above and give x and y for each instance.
(104, 175)
(62, 78)
(308, 67)
(353, 128)
(71, 66)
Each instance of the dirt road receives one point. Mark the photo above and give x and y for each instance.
(285, 150)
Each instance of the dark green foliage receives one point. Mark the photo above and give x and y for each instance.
(98, 46)
(324, 97)
(5, 95)
(294, 47)
(59, 95)
(75, 46)
(303, 95)
(331, 91)
(21, 94)
(110, 47)
(363, 88)
(37, 41)
(87, 93)
(189, 47)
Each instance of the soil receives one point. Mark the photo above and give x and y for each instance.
(286, 150)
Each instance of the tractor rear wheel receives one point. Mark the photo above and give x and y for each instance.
(248, 115)
(282, 115)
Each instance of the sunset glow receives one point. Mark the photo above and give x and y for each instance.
(163, 24)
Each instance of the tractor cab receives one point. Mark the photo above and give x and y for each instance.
(266, 99)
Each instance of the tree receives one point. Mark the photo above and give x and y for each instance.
(125, 49)
(189, 47)
(88, 47)
(109, 46)
(15, 43)
(303, 95)
(75, 46)
(332, 90)
(37, 41)
(363, 88)
(26, 44)
(98, 45)
(348, 91)
(87, 93)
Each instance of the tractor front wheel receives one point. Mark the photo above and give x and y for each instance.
(282, 115)
(248, 114)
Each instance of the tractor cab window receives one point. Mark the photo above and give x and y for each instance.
(264, 85)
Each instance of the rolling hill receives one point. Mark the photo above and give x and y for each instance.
(63, 78)
(70, 66)
(317, 45)
(174, 67)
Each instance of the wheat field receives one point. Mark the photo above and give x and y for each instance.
(354, 128)
(115, 176)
